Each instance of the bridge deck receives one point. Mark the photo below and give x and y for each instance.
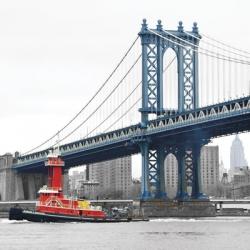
(203, 123)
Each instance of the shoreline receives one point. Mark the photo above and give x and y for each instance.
(219, 212)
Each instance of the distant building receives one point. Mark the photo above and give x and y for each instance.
(114, 178)
(209, 172)
(241, 183)
(88, 189)
(222, 171)
(237, 156)
(75, 180)
(210, 169)
(225, 189)
(171, 175)
(241, 177)
(135, 192)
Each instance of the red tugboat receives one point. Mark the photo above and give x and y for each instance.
(53, 206)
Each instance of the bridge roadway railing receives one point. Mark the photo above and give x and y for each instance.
(166, 123)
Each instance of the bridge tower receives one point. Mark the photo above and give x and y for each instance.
(154, 43)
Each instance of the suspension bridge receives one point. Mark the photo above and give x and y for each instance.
(171, 92)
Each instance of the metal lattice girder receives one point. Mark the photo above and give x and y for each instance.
(188, 71)
(154, 47)
(153, 167)
(152, 75)
(189, 167)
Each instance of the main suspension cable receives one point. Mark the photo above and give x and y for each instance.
(114, 110)
(218, 47)
(87, 104)
(117, 120)
(218, 56)
(165, 69)
(74, 130)
(227, 45)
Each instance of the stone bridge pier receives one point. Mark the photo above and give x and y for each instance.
(18, 186)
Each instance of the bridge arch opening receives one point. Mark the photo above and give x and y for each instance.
(171, 175)
(170, 80)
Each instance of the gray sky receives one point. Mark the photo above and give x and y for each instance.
(54, 54)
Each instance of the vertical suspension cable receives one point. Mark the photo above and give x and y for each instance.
(201, 81)
(207, 80)
(224, 79)
(213, 92)
(235, 80)
(230, 79)
(170, 88)
(218, 79)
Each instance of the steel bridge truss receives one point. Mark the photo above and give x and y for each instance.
(182, 132)
(154, 45)
(177, 134)
(135, 133)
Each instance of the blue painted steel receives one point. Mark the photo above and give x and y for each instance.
(182, 132)
(209, 122)
(160, 192)
(182, 185)
(154, 138)
(153, 49)
(196, 184)
(145, 188)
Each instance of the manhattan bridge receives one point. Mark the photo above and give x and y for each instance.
(171, 93)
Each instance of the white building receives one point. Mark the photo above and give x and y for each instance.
(114, 177)
(209, 171)
(75, 180)
(171, 175)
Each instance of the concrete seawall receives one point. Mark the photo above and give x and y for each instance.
(149, 208)
(178, 209)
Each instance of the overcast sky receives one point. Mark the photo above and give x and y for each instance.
(54, 54)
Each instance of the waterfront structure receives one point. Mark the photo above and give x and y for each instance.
(241, 183)
(135, 189)
(114, 178)
(88, 189)
(209, 162)
(242, 177)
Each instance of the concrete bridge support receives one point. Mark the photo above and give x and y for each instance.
(18, 186)
(7, 178)
(31, 183)
(19, 192)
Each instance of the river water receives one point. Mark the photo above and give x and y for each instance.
(196, 234)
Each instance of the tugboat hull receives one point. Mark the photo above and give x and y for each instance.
(20, 214)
